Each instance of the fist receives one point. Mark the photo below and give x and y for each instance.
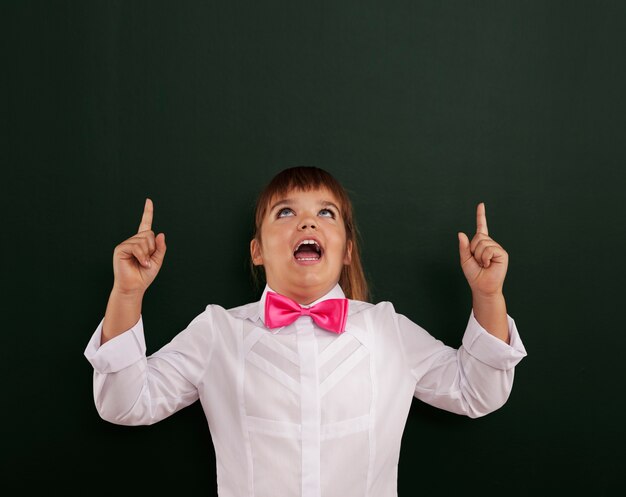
(483, 260)
(137, 260)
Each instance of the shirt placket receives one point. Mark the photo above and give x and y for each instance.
(310, 407)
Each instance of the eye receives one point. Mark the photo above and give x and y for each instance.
(326, 213)
(284, 212)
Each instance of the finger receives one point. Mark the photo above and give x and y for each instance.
(492, 255)
(142, 255)
(134, 249)
(481, 219)
(479, 242)
(481, 248)
(464, 247)
(146, 219)
(161, 248)
(484, 257)
(478, 239)
(146, 238)
(488, 256)
(148, 244)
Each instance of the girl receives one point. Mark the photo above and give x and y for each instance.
(306, 392)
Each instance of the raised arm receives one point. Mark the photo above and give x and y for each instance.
(484, 263)
(136, 262)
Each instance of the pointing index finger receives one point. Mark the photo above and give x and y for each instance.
(146, 219)
(481, 219)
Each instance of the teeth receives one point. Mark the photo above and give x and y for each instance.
(307, 242)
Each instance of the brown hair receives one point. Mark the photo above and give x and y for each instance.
(352, 279)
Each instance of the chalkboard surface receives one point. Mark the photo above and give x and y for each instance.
(422, 109)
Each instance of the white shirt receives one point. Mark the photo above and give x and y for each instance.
(301, 411)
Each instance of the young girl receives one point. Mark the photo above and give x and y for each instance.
(307, 391)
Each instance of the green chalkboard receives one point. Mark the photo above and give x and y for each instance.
(422, 109)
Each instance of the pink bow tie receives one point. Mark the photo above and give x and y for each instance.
(330, 314)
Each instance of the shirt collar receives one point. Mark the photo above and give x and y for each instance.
(335, 293)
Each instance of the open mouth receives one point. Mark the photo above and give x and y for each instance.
(308, 250)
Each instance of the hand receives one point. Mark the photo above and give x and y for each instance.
(484, 262)
(137, 261)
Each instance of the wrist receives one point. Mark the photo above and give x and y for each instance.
(488, 297)
(122, 312)
(491, 313)
(129, 296)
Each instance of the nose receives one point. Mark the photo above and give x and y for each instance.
(306, 224)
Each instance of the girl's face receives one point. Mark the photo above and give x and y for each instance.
(303, 245)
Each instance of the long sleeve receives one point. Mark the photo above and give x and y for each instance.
(132, 389)
(302, 411)
(474, 379)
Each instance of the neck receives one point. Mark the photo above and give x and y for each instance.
(303, 296)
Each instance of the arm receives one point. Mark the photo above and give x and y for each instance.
(129, 387)
(474, 379)
(136, 262)
(477, 378)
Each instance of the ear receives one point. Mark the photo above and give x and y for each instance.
(347, 260)
(255, 252)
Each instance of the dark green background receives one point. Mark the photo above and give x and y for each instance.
(421, 108)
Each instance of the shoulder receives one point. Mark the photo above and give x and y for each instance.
(374, 325)
(222, 315)
(380, 315)
(357, 307)
(216, 313)
(216, 321)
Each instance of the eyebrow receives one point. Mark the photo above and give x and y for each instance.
(290, 201)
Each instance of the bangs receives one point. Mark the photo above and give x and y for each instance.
(303, 179)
